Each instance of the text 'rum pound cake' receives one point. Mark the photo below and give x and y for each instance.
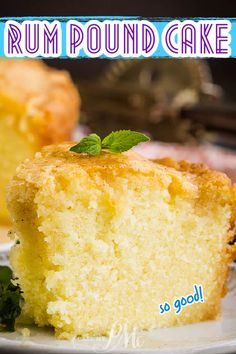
(104, 240)
(38, 106)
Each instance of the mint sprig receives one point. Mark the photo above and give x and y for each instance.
(91, 144)
(10, 300)
(116, 142)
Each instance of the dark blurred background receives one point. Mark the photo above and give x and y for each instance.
(223, 70)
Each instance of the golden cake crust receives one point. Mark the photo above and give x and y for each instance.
(206, 177)
(102, 167)
(108, 164)
(46, 97)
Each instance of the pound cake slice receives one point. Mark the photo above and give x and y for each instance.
(38, 106)
(104, 240)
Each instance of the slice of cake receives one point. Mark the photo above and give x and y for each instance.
(105, 240)
(38, 106)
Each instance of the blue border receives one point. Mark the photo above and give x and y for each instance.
(159, 23)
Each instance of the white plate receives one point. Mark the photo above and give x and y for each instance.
(207, 337)
(4, 250)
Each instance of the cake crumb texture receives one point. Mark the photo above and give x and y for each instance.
(105, 240)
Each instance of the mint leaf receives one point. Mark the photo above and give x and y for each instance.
(10, 300)
(5, 274)
(115, 142)
(123, 140)
(91, 145)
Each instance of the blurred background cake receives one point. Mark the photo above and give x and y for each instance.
(39, 105)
